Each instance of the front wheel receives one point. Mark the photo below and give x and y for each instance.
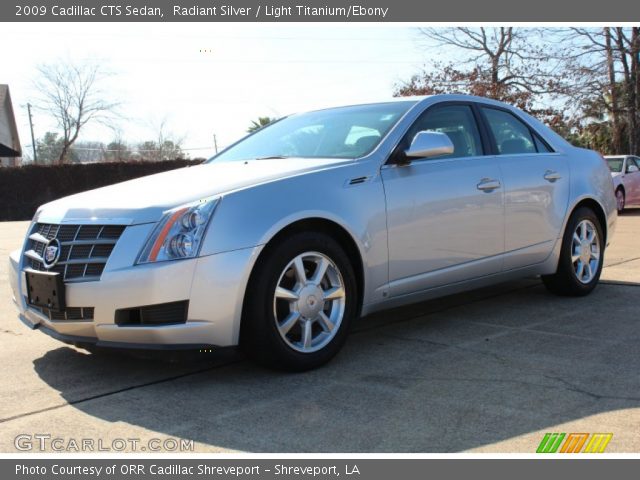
(299, 304)
(581, 256)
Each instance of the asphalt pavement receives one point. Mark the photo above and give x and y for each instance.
(491, 370)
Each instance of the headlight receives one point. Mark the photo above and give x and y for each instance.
(179, 233)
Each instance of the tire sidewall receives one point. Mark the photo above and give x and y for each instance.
(566, 263)
(259, 326)
(624, 198)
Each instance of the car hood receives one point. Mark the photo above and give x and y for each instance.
(143, 200)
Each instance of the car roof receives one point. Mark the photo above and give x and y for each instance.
(416, 100)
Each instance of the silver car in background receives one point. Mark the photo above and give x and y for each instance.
(279, 242)
(625, 170)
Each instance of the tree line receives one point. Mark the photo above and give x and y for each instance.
(582, 82)
(51, 147)
(71, 93)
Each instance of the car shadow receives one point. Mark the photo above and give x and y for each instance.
(447, 375)
(631, 212)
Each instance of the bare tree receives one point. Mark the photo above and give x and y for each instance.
(628, 43)
(613, 105)
(117, 149)
(505, 63)
(70, 93)
(167, 146)
(604, 66)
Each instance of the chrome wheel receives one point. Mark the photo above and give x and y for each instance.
(585, 251)
(309, 302)
(620, 199)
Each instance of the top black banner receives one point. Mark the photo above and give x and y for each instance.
(563, 11)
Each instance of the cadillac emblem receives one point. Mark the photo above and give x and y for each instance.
(51, 253)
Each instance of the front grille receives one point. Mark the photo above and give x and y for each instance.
(85, 249)
(69, 313)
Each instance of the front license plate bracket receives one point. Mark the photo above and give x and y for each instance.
(46, 289)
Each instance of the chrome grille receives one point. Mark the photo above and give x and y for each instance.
(85, 249)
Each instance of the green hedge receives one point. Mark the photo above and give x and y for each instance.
(24, 189)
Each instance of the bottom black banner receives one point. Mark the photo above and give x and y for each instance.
(360, 469)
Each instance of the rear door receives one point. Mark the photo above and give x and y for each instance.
(536, 188)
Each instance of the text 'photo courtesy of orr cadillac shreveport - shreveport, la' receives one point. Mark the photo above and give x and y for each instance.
(281, 240)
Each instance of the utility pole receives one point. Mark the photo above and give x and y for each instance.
(33, 138)
(215, 143)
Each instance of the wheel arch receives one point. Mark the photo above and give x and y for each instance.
(599, 211)
(329, 227)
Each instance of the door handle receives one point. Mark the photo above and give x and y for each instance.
(488, 184)
(551, 176)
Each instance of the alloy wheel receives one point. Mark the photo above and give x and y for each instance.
(585, 251)
(309, 302)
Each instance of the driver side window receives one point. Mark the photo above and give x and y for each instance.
(457, 122)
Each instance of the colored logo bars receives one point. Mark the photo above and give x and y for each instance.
(573, 443)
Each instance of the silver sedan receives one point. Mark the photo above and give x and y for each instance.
(279, 242)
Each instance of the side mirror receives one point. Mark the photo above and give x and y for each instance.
(632, 168)
(429, 144)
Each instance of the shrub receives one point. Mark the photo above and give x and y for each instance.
(24, 189)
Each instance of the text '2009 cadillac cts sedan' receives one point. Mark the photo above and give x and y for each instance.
(281, 240)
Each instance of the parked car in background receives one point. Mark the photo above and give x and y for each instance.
(625, 170)
(280, 241)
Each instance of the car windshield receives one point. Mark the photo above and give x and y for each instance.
(615, 164)
(345, 132)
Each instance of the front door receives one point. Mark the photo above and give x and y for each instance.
(445, 215)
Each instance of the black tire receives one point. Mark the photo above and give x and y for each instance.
(620, 201)
(565, 281)
(259, 335)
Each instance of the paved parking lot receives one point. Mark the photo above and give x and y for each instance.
(489, 371)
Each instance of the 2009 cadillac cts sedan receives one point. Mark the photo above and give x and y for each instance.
(281, 240)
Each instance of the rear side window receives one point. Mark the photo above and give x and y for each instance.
(615, 164)
(512, 136)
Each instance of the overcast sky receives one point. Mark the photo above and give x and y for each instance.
(244, 71)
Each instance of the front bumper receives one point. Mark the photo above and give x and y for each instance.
(214, 285)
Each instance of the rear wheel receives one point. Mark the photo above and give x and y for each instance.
(581, 256)
(299, 304)
(620, 199)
